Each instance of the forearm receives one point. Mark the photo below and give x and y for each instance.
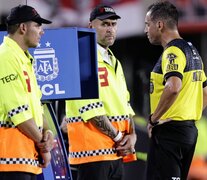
(30, 129)
(133, 131)
(132, 126)
(204, 97)
(45, 124)
(165, 103)
(47, 142)
(103, 124)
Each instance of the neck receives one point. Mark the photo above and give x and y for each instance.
(19, 41)
(105, 47)
(169, 36)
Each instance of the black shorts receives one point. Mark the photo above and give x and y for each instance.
(171, 150)
(102, 170)
(17, 176)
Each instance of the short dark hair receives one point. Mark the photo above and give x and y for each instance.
(11, 29)
(164, 10)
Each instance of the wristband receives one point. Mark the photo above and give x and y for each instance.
(152, 123)
(118, 137)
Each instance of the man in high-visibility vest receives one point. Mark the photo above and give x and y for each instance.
(24, 137)
(101, 131)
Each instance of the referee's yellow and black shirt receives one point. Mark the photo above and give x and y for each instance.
(181, 59)
(19, 102)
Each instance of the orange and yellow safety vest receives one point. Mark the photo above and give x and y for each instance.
(87, 143)
(19, 101)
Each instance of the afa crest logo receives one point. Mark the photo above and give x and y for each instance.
(46, 63)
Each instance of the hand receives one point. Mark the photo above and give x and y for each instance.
(149, 126)
(126, 145)
(46, 157)
(47, 143)
(149, 130)
(63, 126)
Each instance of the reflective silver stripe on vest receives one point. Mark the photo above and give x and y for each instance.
(19, 161)
(118, 118)
(90, 106)
(18, 110)
(111, 119)
(92, 153)
(9, 124)
(73, 119)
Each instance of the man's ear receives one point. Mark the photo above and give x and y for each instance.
(160, 25)
(90, 25)
(22, 28)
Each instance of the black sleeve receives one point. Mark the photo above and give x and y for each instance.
(204, 83)
(170, 74)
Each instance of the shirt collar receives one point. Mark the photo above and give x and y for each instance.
(13, 44)
(105, 55)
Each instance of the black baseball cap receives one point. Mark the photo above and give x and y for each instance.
(24, 13)
(103, 12)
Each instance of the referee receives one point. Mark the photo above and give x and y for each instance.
(178, 95)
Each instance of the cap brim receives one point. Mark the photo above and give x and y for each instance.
(42, 21)
(108, 16)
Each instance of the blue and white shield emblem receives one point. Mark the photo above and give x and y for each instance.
(46, 64)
